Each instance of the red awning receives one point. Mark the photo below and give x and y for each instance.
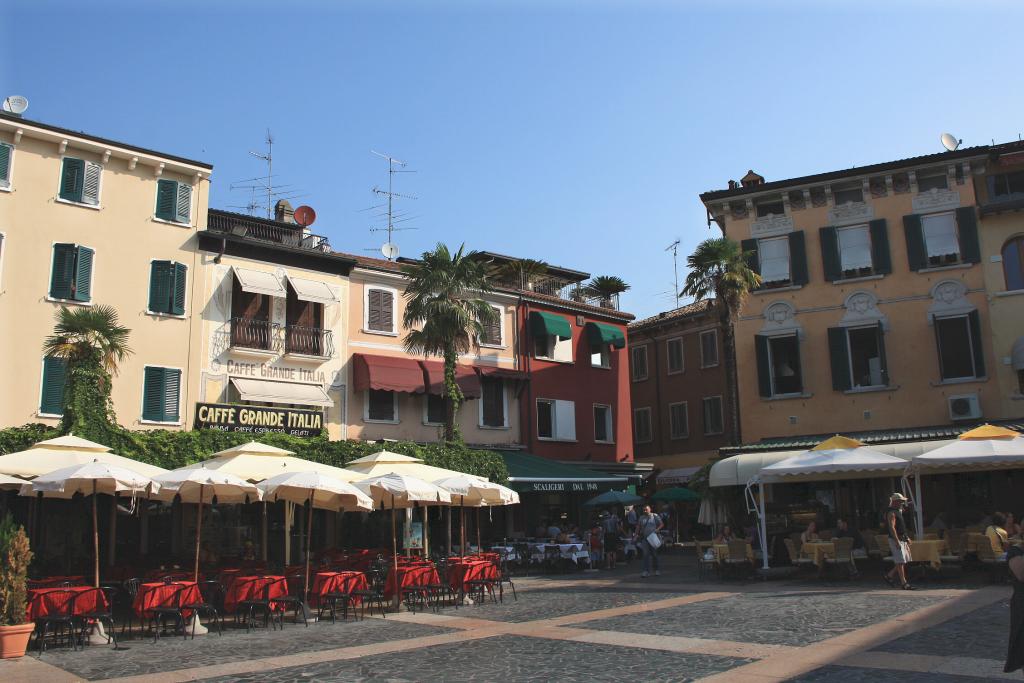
(433, 377)
(500, 373)
(388, 373)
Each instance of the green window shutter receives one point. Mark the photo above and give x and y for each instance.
(5, 165)
(183, 207)
(749, 248)
(161, 274)
(83, 275)
(154, 390)
(51, 400)
(63, 272)
(881, 260)
(178, 298)
(830, 253)
(917, 257)
(967, 230)
(172, 392)
(839, 355)
(72, 179)
(881, 355)
(798, 258)
(974, 322)
(764, 375)
(166, 199)
(91, 184)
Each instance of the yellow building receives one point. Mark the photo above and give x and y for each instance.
(87, 221)
(873, 314)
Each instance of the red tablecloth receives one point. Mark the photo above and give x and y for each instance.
(336, 582)
(252, 588)
(410, 576)
(45, 601)
(56, 581)
(461, 572)
(160, 594)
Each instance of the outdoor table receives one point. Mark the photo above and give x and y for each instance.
(336, 582)
(159, 594)
(568, 551)
(973, 539)
(928, 551)
(818, 551)
(722, 551)
(408, 577)
(251, 588)
(56, 581)
(508, 551)
(44, 601)
(460, 573)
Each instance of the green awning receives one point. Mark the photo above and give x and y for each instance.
(548, 324)
(600, 335)
(528, 473)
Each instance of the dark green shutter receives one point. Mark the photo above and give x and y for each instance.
(166, 199)
(178, 299)
(839, 355)
(974, 322)
(51, 399)
(91, 184)
(63, 272)
(917, 256)
(5, 164)
(183, 207)
(172, 391)
(881, 355)
(830, 254)
(749, 248)
(798, 258)
(154, 389)
(881, 260)
(764, 375)
(967, 230)
(72, 179)
(83, 274)
(161, 274)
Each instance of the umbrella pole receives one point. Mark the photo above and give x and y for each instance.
(199, 529)
(112, 543)
(462, 527)
(309, 539)
(426, 532)
(263, 533)
(448, 529)
(95, 539)
(394, 555)
(479, 545)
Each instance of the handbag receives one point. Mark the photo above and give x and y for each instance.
(654, 540)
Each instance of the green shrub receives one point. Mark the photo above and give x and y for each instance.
(15, 557)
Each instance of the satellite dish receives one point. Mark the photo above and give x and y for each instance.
(390, 251)
(950, 142)
(15, 104)
(305, 216)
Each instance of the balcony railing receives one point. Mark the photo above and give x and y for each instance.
(570, 291)
(251, 333)
(308, 341)
(252, 228)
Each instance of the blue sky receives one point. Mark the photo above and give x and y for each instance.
(576, 132)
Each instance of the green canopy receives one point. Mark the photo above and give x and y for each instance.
(528, 473)
(676, 494)
(548, 324)
(600, 334)
(613, 498)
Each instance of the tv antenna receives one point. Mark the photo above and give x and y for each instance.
(675, 266)
(264, 184)
(950, 142)
(390, 249)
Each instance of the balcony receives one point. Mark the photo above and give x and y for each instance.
(562, 289)
(267, 231)
(308, 341)
(252, 334)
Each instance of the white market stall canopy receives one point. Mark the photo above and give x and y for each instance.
(265, 391)
(835, 458)
(987, 447)
(256, 461)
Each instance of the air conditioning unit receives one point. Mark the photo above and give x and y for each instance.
(964, 407)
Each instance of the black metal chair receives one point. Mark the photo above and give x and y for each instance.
(294, 600)
(505, 576)
(212, 593)
(443, 590)
(131, 589)
(60, 618)
(261, 604)
(103, 616)
(159, 615)
(331, 601)
(374, 595)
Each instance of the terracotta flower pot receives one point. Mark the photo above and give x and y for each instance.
(14, 640)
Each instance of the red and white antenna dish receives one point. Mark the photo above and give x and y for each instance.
(305, 216)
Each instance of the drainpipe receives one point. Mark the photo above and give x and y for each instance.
(657, 393)
(529, 383)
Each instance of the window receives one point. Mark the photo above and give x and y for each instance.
(435, 409)
(939, 181)
(773, 257)
(304, 323)
(780, 261)
(854, 250)
(678, 420)
(709, 348)
(1000, 186)
(676, 361)
(491, 335)
(848, 195)
(858, 357)
(1013, 263)
(71, 273)
(1020, 381)
(775, 208)
(960, 350)
(940, 239)
(492, 402)
(712, 415)
(642, 425)
(638, 355)
(173, 201)
(167, 287)
(603, 424)
(160, 394)
(51, 394)
(6, 157)
(80, 181)
(556, 420)
(250, 318)
(551, 347)
(601, 357)
(381, 406)
(380, 310)
(778, 365)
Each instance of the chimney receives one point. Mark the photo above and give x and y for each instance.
(733, 184)
(751, 179)
(283, 212)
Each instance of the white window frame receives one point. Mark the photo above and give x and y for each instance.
(650, 425)
(191, 204)
(704, 361)
(142, 398)
(92, 279)
(965, 317)
(704, 415)
(99, 186)
(771, 366)
(366, 409)
(668, 356)
(556, 433)
(552, 345)
(603, 356)
(839, 246)
(366, 310)
(426, 411)
(39, 395)
(158, 314)
(633, 368)
(849, 358)
(609, 423)
(504, 409)
(501, 329)
(9, 187)
(789, 259)
(956, 238)
(686, 420)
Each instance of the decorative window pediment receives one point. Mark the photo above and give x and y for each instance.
(949, 297)
(780, 318)
(862, 308)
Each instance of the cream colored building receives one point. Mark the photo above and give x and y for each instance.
(87, 221)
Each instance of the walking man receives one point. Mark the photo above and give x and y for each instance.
(648, 523)
(899, 542)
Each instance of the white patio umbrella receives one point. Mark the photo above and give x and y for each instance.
(318, 490)
(194, 482)
(10, 483)
(92, 479)
(64, 451)
(475, 493)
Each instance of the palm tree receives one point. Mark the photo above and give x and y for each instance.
(522, 272)
(719, 268)
(442, 298)
(605, 288)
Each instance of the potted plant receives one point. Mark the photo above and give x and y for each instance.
(606, 289)
(14, 559)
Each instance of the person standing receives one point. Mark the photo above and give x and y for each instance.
(612, 534)
(1015, 650)
(899, 542)
(647, 524)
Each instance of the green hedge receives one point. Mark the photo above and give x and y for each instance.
(172, 449)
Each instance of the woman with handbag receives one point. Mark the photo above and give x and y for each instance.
(648, 526)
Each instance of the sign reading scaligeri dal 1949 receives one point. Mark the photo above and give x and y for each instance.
(258, 419)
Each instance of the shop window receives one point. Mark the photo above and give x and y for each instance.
(678, 420)
(676, 361)
(638, 364)
(1013, 263)
(603, 424)
(381, 406)
(712, 415)
(642, 425)
(709, 348)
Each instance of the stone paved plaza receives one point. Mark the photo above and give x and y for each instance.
(602, 626)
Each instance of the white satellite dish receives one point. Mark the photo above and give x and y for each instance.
(15, 104)
(950, 142)
(390, 251)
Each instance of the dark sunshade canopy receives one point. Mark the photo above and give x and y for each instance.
(609, 498)
(676, 494)
(433, 375)
(388, 373)
(528, 473)
(600, 334)
(548, 324)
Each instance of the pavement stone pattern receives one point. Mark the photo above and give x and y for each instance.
(507, 658)
(981, 633)
(855, 674)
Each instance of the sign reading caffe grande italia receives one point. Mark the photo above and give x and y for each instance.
(227, 417)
